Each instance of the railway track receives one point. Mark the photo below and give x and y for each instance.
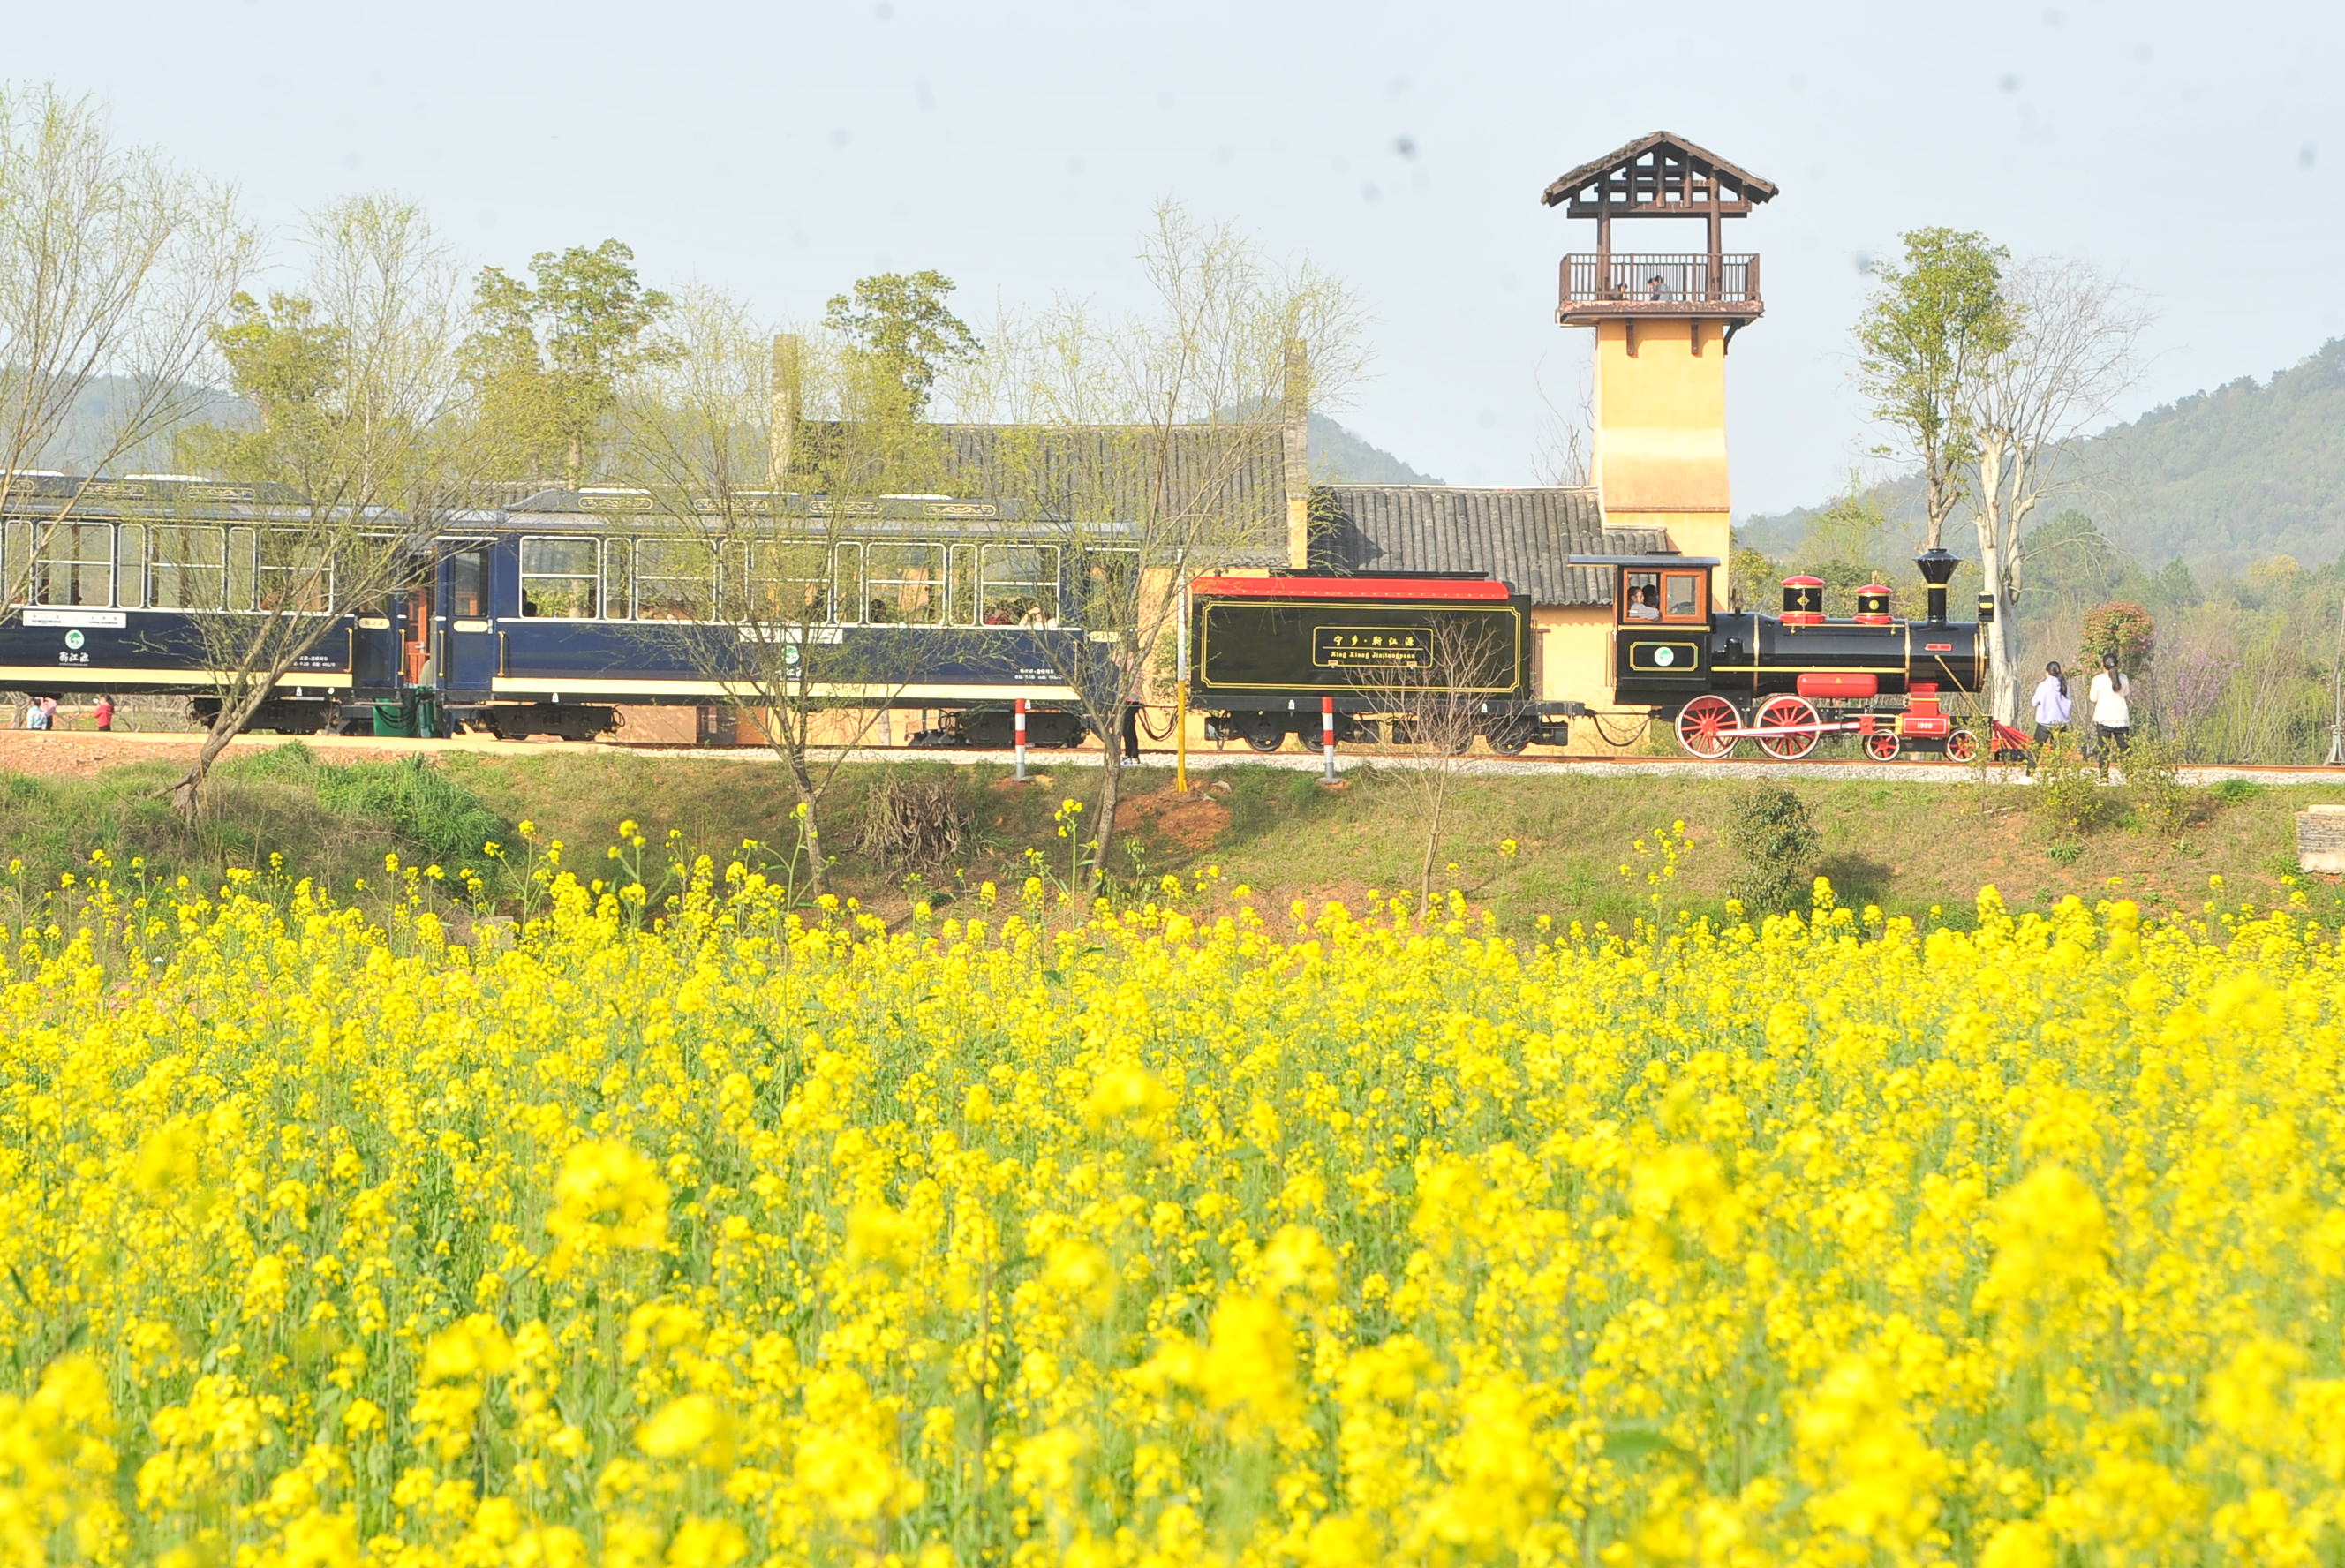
(90, 751)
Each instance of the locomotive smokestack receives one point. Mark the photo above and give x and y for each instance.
(1936, 566)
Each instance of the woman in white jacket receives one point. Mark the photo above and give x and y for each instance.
(2112, 708)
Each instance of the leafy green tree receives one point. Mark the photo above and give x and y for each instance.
(902, 322)
(1933, 317)
(2123, 628)
(2174, 586)
(1752, 576)
(1777, 850)
(547, 356)
(2072, 562)
(363, 412)
(286, 361)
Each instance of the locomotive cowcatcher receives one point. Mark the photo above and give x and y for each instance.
(1787, 680)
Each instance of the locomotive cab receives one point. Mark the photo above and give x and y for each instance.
(1662, 626)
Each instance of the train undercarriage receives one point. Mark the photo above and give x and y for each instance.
(1788, 727)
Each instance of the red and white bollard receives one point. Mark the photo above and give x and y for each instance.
(1019, 730)
(1327, 735)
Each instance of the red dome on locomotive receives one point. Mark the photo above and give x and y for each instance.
(1803, 600)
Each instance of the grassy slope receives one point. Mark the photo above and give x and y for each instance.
(1905, 847)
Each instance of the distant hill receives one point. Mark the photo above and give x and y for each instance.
(2220, 479)
(1339, 457)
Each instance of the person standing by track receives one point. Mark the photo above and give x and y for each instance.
(2111, 699)
(2051, 703)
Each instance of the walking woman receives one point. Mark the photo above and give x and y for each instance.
(2051, 701)
(2112, 709)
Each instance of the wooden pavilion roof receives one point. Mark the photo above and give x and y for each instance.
(1657, 175)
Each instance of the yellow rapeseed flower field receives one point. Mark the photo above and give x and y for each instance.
(702, 1231)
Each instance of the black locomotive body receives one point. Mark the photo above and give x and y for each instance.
(1787, 680)
(1385, 657)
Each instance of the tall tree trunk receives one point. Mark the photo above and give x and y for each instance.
(1110, 797)
(2001, 678)
(1438, 801)
(1996, 542)
(809, 801)
(186, 795)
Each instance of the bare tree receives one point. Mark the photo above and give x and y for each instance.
(113, 267)
(1146, 441)
(361, 389)
(719, 424)
(2067, 356)
(1565, 455)
(1431, 698)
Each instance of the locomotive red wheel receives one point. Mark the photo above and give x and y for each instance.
(1962, 746)
(1881, 747)
(1796, 714)
(1703, 725)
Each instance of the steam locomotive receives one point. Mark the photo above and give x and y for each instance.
(1787, 680)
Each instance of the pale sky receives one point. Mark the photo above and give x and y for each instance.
(782, 150)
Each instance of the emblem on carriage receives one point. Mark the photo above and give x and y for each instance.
(73, 637)
(1665, 657)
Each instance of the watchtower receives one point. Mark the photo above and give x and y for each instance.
(1663, 320)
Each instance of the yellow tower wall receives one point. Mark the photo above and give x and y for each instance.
(1661, 431)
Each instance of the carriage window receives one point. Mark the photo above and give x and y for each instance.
(17, 557)
(1018, 585)
(789, 582)
(1640, 596)
(847, 576)
(75, 565)
(468, 584)
(906, 583)
(561, 579)
(618, 579)
(675, 580)
(186, 568)
(1681, 595)
(292, 572)
(964, 610)
(1110, 590)
(130, 559)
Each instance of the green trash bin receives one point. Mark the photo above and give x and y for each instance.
(395, 718)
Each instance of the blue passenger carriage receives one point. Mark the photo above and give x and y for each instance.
(546, 616)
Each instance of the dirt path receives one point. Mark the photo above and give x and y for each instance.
(86, 753)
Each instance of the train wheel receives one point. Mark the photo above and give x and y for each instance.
(1265, 733)
(1881, 747)
(1790, 714)
(1962, 746)
(1508, 740)
(1703, 723)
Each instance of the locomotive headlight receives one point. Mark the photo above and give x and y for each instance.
(1987, 608)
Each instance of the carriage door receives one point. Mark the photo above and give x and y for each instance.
(467, 634)
(375, 663)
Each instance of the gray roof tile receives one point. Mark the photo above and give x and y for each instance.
(1522, 537)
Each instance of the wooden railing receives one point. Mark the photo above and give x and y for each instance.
(1668, 279)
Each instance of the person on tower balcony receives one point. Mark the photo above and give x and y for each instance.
(1653, 287)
